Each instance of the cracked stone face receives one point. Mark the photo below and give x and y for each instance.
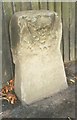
(35, 45)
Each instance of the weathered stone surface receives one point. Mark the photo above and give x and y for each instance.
(39, 69)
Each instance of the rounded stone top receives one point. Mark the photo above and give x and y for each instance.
(37, 18)
(32, 13)
(35, 27)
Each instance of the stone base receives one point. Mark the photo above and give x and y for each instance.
(41, 77)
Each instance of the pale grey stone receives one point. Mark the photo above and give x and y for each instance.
(39, 69)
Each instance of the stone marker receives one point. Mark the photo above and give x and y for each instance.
(39, 69)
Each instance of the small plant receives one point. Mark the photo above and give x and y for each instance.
(7, 92)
